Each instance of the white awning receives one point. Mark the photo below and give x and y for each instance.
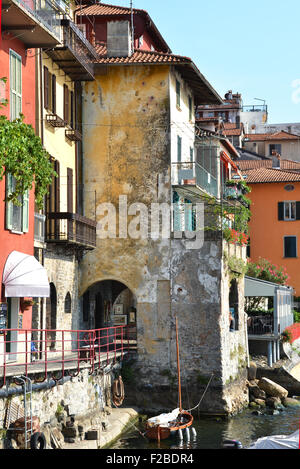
(24, 276)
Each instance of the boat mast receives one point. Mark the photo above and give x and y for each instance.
(178, 367)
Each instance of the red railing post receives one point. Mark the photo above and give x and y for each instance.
(107, 345)
(63, 352)
(122, 329)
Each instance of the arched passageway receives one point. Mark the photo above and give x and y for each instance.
(107, 304)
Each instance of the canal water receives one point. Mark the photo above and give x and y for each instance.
(211, 432)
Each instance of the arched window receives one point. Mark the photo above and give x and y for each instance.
(68, 303)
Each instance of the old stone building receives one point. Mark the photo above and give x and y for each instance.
(142, 158)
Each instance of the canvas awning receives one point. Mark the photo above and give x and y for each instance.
(24, 276)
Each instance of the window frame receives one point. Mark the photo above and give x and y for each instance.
(14, 92)
(285, 202)
(296, 247)
(23, 224)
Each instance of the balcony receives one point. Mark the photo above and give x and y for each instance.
(191, 177)
(23, 17)
(75, 55)
(71, 229)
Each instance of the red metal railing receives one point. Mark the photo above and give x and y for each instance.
(54, 353)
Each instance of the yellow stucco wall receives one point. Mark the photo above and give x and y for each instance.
(55, 140)
(126, 153)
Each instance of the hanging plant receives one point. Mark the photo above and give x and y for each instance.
(23, 156)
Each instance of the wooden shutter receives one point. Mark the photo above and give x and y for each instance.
(66, 105)
(46, 88)
(57, 187)
(8, 205)
(25, 212)
(53, 94)
(297, 210)
(280, 211)
(179, 140)
(72, 110)
(70, 190)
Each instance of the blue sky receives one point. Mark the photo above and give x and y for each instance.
(250, 47)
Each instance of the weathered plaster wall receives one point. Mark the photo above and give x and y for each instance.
(127, 153)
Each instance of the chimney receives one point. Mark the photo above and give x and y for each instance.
(275, 159)
(119, 43)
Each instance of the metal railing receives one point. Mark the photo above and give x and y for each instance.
(45, 11)
(255, 108)
(71, 228)
(192, 173)
(45, 352)
(260, 325)
(77, 43)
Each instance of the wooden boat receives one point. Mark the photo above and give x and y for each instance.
(164, 425)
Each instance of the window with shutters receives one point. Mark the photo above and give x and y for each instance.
(49, 91)
(290, 246)
(15, 74)
(289, 210)
(16, 216)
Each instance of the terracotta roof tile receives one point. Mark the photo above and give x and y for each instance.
(255, 164)
(103, 9)
(268, 175)
(276, 136)
(139, 56)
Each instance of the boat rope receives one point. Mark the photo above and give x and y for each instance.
(190, 410)
(132, 425)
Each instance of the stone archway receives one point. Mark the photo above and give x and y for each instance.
(110, 303)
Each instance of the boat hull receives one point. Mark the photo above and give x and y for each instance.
(159, 432)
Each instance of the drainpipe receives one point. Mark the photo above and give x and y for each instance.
(16, 390)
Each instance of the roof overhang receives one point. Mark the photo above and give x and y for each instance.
(203, 90)
(24, 276)
(263, 288)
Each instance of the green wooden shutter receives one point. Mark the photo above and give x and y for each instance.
(280, 211)
(179, 147)
(8, 205)
(25, 212)
(15, 72)
(297, 210)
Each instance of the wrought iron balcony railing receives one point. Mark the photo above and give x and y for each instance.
(71, 228)
(75, 55)
(25, 17)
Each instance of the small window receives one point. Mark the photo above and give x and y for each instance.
(16, 216)
(290, 246)
(141, 41)
(68, 303)
(178, 100)
(274, 147)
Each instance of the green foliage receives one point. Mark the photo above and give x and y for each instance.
(265, 270)
(296, 316)
(237, 267)
(23, 156)
(286, 336)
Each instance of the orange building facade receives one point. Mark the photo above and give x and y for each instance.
(275, 222)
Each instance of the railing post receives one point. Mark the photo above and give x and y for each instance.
(26, 352)
(115, 345)
(63, 352)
